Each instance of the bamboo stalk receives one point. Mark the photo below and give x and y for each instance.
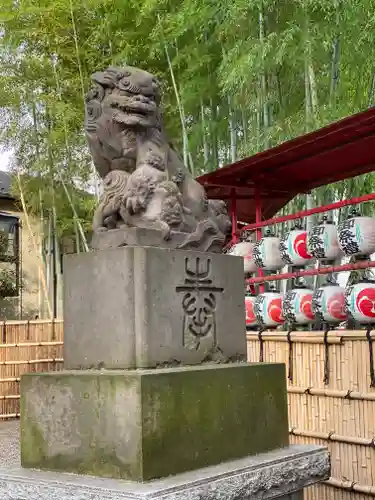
(81, 232)
(296, 339)
(75, 215)
(41, 244)
(232, 132)
(332, 436)
(204, 135)
(332, 393)
(263, 77)
(31, 361)
(32, 344)
(77, 49)
(9, 416)
(35, 247)
(32, 322)
(335, 57)
(179, 103)
(350, 486)
(341, 335)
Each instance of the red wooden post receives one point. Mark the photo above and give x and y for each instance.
(258, 231)
(233, 214)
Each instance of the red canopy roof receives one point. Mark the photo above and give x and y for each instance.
(339, 151)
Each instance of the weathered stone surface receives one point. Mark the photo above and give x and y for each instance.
(135, 236)
(145, 424)
(145, 307)
(280, 474)
(146, 185)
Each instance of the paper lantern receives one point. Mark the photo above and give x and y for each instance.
(251, 319)
(328, 303)
(356, 236)
(266, 253)
(360, 301)
(268, 309)
(322, 241)
(297, 307)
(245, 249)
(293, 248)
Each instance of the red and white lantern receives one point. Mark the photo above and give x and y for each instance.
(360, 301)
(251, 319)
(322, 242)
(293, 248)
(268, 309)
(356, 236)
(245, 249)
(266, 253)
(297, 306)
(328, 303)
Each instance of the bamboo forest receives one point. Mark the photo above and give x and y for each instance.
(239, 77)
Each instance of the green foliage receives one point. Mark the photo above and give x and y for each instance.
(4, 241)
(8, 286)
(42, 196)
(284, 67)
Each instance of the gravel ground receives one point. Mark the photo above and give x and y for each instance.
(9, 444)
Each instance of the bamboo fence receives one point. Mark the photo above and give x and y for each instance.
(26, 346)
(331, 401)
(331, 398)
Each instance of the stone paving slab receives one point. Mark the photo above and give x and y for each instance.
(277, 474)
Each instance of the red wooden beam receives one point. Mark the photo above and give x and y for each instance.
(313, 272)
(311, 211)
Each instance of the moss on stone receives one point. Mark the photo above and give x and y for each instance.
(98, 463)
(33, 446)
(167, 421)
(195, 418)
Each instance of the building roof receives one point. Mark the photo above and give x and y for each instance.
(333, 153)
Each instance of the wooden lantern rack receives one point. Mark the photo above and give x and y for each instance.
(259, 186)
(256, 189)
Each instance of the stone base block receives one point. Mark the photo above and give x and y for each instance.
(281, 474)
(137, 236)
(146, 424)
(144, 307)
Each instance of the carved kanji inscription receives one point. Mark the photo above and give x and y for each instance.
(199, 302)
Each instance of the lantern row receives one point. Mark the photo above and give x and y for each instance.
(325, 242)
(330, 303)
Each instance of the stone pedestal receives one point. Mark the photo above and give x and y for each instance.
(147, 424)
(141, 307)
(280, 474)
(156, 385)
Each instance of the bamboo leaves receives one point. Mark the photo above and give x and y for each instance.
(238, 75)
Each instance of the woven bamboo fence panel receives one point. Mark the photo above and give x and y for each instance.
(330, 398)
(331, 402)
(26, 346)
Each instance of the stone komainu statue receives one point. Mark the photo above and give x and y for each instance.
(146, 185)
